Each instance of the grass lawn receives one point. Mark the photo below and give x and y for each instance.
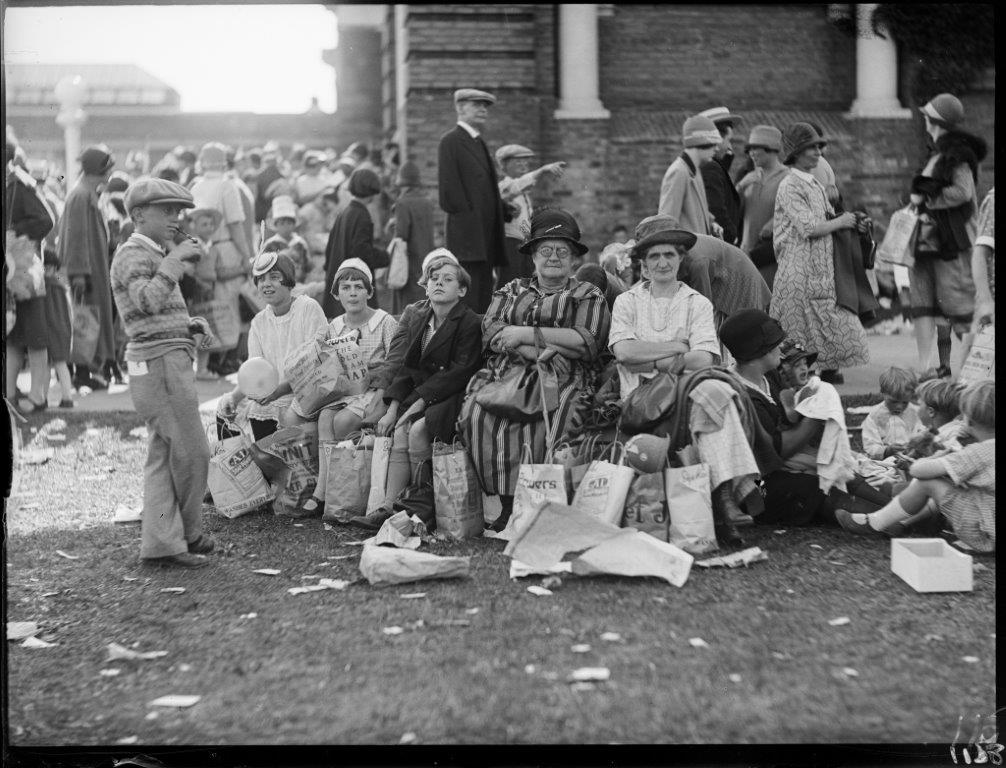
(317, 668)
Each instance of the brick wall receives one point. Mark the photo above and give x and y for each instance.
(693, 57)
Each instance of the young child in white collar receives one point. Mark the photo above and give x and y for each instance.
(373, 329)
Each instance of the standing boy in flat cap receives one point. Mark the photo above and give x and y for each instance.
(721, 194)
(469, 195)
(515, 163)
(145, 274)
(682, 190)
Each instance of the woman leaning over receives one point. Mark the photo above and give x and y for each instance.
(661, 318)
(804, 300)
(573, 320)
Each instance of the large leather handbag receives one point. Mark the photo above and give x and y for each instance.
(417, 498)
(648, 404)
(522, 395)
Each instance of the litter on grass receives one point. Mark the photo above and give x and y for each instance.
(61, 553)
(590, 675)
(139, 432)
(34, 642)
(124, 514)
(816, 546)
(116, 652)
(392, 630)
(581, 648)
(55, 438)
(734, 677)
(530, 668)
(539, 591)
(341, 557)
(249, 615)
(21, 630)
(321, 585)
(697, 642)
(391, 565)
(551, 582)
(49, 594)
(611, 637)
(110, 672)
(174, 700)
(471, 611)
(33, 456)
(841, 621)
(268, 571)
(408, 738)
(932, 638)
(174, 590)
(849, 672)
(125, 740)
(398, 531)
(736, 559)
(582, 686)
(413, 595)
(965, 659)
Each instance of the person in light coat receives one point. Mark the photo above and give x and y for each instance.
(682, 192)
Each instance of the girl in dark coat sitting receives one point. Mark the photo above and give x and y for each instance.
(424, 399)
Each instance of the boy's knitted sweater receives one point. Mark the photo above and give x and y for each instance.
(150, 303)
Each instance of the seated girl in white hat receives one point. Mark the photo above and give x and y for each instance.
(373, 328)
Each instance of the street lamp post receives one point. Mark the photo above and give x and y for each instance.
(70, 93)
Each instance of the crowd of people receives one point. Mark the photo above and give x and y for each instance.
(705, 328)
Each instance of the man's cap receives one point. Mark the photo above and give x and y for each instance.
(720, 115)
(473, 94)
(765, 136)
(945, 110)
(551, 223)
(96, 161)
(700, 131)
(796, 138)
(213, 213)
(660, 229)
(148, 191)
(751, 333)
(792, 350)
(510, 151)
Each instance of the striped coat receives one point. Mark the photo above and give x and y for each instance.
(495, 443)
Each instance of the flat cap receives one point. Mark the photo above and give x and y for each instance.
(148, 191)
(473, 94)
(720, 115)
(510, 151)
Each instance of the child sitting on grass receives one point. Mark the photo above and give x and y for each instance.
(892, 423)
(961, 485)
(353, 286)
(940, 414)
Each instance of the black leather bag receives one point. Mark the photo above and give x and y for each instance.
(648, 404)
(417, 497)
(520, 395)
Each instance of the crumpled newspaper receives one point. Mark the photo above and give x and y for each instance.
(400, 530)
(736, 559)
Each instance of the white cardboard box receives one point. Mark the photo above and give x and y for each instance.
(931, 565)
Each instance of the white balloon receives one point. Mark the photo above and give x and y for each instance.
(257, 377)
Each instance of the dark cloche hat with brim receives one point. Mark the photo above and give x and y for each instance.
(551, 223)
(661, 228)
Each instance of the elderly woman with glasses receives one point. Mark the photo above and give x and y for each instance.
(661, 319)
(550, 308)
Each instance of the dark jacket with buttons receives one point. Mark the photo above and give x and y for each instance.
(441, 373)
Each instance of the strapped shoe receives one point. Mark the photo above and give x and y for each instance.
(848, 522)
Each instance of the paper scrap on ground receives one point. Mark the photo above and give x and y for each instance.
(333, 583)
(174, 700)
(140, 432)
(519, 570)
(392, 630)
(697, 642)
(116, 652)
(450, 623)
(590, 674)
(124, 514)
(56, 438)
(734, 677)
(580, 648)
(61, 553)
(32, 456)
(309, 588)
(735, 559)
(611, 637)
(110, 672)
(19, 630)
(557, 530)
(408, 738)
(128, 740)
(551, 582)
(398, 531)
(340, 557)
(413, 595)
(34, 642)
(268, 571)
(471, 611)
(816, 546)
(392, 565)
(530, 668)
(849, 672)
(539, 591)
(965, 659)
(582, 686)
(249, 615)
(840, 621)
(174, 590)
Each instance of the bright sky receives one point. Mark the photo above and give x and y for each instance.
(223, 58)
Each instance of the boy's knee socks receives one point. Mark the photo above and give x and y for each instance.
(319, 490)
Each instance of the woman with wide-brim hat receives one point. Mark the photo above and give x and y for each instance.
(803, 293)
(573, 319)
(941, 283)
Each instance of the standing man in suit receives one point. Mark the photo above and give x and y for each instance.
(721, 194)
(682, 192)
(469, 195)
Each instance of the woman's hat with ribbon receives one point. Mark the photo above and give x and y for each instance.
(552, 223)
(268, 261)
(796, 138)
(661, 228)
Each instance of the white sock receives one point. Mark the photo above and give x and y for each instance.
(887, 515)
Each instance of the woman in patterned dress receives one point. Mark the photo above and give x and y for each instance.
(573, 318)
(803, 295)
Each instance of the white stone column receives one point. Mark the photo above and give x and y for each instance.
(876, 70)
(579, 78)
(401, 79)
(70, 93)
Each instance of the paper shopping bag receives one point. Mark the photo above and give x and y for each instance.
(224, 323)
(25, 270)
(457, 493)
(898, 245)
(86, 330)
(601, 493)
(348, 488)
(378, 472)
(536, 483)
(297, 448)
(322, 372)
(689, 503)
(980, 362)
(398, 269)
(235, 480)
(646, 506)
